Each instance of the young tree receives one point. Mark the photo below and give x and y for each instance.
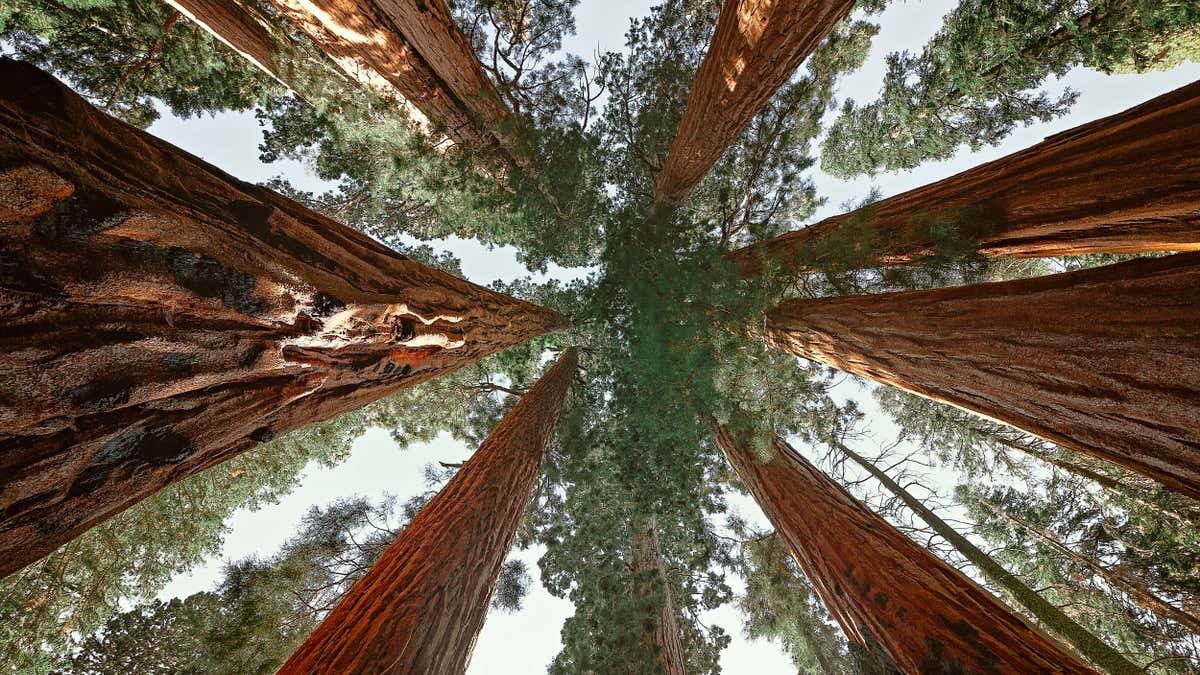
(1120, 184)
(923, 613)
(420, 608)
(161, 316)
(1026, 352)
(755, 49)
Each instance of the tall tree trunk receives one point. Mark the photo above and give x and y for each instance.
(662, 634)
(240, 29)
(757, 46)
(1128, 183)
(1105, 361)
(414, 48)
(879, 583)
(421, 607)
(1137, 589)
(158, 316)
(1048, 615)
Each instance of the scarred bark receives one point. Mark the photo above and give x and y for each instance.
(757, 46)
(1128, 183)
(1105, 361)
(158, 316)
(662, 634)
(420, 608)
(415, 49)
(881, 585)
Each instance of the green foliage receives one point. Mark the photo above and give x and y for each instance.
(979, 77)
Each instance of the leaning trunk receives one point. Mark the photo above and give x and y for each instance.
(882, 586)
(661, 634)
(1105, 361)
(1047, 614)
(1128, 183)
(757, 46)
(421, 607)
(158, 316)
(243, 30)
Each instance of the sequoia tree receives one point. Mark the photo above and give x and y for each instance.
(661, 634)
(160, 316)
(420, 608)
(757, 46)
(243, 30)
(1126, 183)
(881, 585)
(1104, 360)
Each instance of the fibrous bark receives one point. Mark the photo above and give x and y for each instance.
(240, 29)
(414, 49)
(158, 316)
(757, 46)
(1105, 361)
(1046, 613)
(661, 634)
(880, 585)
(420, 608)
(1128, 183)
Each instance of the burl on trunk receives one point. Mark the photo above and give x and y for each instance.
(1105, 361)
(880, 585)
(158, 316)
(420, 608)
(757, 46)
(1127, 183)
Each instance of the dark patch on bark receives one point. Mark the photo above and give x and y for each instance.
(156, 446)
(209, 278)
(101, 394)
(262, 434)
(20, 274)
(881, 599)
(324, 305)
(180, 363)
(84, 213)
(255, 217)
(408, 330)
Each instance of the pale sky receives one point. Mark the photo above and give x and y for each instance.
(525, 642)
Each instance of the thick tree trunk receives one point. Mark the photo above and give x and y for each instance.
(240, 29)
(414, 48)
(881, 585)
(1137, 589)
(1048, 615)
(757, 46)
(1105, 361)
(420, 608)
(1128, 183)
(158, 316)
(662, 634)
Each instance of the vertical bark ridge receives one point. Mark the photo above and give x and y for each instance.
(663, 633)
(882, 586)
(757, 46)
(1127, 183)
(1105, 361)
(158, 316)
(421, 607)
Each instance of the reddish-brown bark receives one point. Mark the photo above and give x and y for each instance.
(881, 585)
(414, 48)
(757, 46)
(662, 634)
(420, 608)
(1105, 361)
(158, 316)
(241, 29)
(1127, 183)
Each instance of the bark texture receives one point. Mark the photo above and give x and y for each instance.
(662, 634)
(1128, 183)
(880, 585)
(420, 608)
(413, 49)
(1105, 361)
(158, 316)
(240, 29)
(757, 46)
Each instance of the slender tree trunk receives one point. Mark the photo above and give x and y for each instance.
(1051, 617)
(757, 46)
(1138, 590)
(1128, 183)
(1105, 361)
(145, 63)
(662, 634)
(877, 582)
(415, 49)
(242, 30)
(421, 607)
(158, 316)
